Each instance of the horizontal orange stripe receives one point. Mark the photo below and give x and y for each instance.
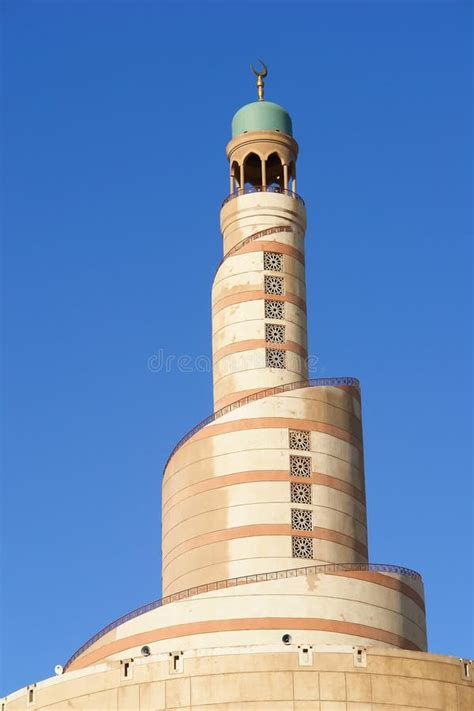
(259, 475)
(257, 423)
(285, 624)
(367, 576)
(260, 529)
(240, 394)
(386, 581)
(334, 483)
(342, 539)
(251, 344)
(266, 246)
(276, 229)
(233, 397)
(256, 295)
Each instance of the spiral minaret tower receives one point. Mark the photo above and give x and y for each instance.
(268, 492)
(276, 478)
(270, 601)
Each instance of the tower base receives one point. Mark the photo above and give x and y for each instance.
(280, 677)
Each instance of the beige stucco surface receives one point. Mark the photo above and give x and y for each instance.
(238, 296)
(224, 480)
(259, 678)
(343, 608)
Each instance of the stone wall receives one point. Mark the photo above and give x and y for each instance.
(294, 678)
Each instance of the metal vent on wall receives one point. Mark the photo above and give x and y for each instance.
(275, 358)
(301, 493)
(301, 547)
(300, 465)
(299, 439)
(274, 333)
(274, 309)
(274, 285)
(273, 261)
(301, 520)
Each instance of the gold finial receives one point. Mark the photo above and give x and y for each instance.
(260, 76)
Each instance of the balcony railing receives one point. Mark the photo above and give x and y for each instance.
(263, 189)
(244, 580)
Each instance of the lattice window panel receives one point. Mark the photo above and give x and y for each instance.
(274, 285)
(273, 261)
(274, 333)
(275, 358)
(302, 547)
(274, 309)
(300, 439)
(301, 520)
(301, 493)
(299, 465)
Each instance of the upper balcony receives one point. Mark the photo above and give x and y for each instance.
(258, 207)
(238, 192)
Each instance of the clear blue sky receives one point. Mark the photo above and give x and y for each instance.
(117, 116)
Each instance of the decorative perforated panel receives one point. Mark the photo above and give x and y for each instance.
(273, 261)
(301, 520)
(275, 358)
(299, 465)
(274, 285)
(274, 333)
(301, 493)
(274, 309)
(299, 439)
(301, 547)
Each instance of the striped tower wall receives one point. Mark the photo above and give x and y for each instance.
(317, 605)
(259, 291)
(278, 480)
(270, 484)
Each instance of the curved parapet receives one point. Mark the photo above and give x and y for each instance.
(338, 604)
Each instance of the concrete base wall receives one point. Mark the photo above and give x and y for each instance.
(277, 678)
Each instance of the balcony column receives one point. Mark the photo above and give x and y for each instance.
(285, 176)
(232, 181)
(242, 176)
(264, 174)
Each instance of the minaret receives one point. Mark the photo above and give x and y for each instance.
(269, 599)
(259, 292)
(264, 518)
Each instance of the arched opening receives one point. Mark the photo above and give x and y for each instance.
(235, 177)
(292, 177)
(274, 173)
(252, 171)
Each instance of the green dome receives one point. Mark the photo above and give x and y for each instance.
(261, 116)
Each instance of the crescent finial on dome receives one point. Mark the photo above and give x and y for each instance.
(260, 75)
